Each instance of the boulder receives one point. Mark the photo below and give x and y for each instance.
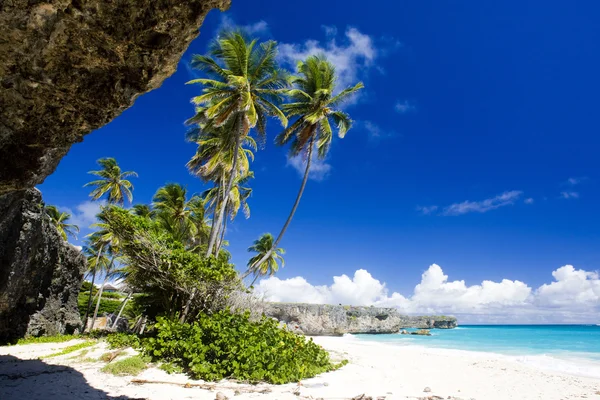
(40, 273)
(421, 332)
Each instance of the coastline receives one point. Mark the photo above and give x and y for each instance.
(379, 370)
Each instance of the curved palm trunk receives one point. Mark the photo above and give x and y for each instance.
(89, 305)
(254, 280)
(221, 213)
(87, 311)
(121, 310)
(296, 203)
(100, 295)
(220, 243)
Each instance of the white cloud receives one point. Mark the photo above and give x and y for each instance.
(569, 195)
(426, 210)
(575, 181)
(504, 199)
(529, 201)
(353, 56)
(404, 107)
(375, 131)
(84, 214)
(255, 28)
(574, 296)
(319, 169)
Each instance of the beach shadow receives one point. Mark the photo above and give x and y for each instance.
(36, 380)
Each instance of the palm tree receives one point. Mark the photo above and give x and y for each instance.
(109, 272)
(263, 246)
(112, 182)
(176, 213)
(314, 103)
(238, 197)
(243, 88)
(96, 262)
(59, 220)
(142, 210)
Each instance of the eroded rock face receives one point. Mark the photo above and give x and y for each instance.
(324, 319)
(68, 67)
(40, 273)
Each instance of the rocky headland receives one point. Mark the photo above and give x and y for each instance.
(334, 320)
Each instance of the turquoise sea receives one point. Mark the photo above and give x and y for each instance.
(569, 348)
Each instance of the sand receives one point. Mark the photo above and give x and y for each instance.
(377, 370)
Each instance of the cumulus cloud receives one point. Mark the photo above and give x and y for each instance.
(353, 55)
(319, 169)
(404, 107)
(569, 195)
(84, 214)
(482, 206)
(573, 296)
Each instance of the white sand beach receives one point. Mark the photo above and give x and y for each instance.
(377, 370)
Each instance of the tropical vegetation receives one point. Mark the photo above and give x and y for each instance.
(181, 289)
(60, 220)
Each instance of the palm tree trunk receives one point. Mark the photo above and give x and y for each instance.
(89, 305)
(100, 294)
(121, 310)
(287, 223)
(220, 243)
(87, 311)
(221, 213)
(254, 280)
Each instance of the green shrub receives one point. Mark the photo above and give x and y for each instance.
(121, 340)
(107, 305)
(128, 366)
(226, 345)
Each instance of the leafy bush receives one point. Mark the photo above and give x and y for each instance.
(128, 366)
(121, 340)
(226, 345)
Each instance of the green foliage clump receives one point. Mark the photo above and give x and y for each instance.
(122, 340)
(226, 345)
(47, 339)
(127, 366)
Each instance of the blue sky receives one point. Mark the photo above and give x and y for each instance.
(474, 146)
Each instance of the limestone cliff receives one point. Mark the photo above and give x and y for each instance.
(323, 319)
(40, 274)
(68, 67)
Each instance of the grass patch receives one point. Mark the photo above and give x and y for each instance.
(128, 366)
(47, 339)
(71, 349)
(81, 354)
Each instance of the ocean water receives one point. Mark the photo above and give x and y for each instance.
(574, 349)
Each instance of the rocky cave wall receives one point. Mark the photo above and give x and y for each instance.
(68, 67)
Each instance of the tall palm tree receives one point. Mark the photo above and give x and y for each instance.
(96, 262)
(142, 210)
(176, 213)
(238, 197)
(112, 182)
(244, 87)
(314, 105)
(263, 246)
(59, 220)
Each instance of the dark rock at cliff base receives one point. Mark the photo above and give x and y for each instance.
(40, 273)
(68, 67)
(324, 319)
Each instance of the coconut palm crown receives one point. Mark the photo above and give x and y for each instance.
(60, 221)
(112, 182)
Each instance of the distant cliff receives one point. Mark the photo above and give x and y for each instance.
(323, 319)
